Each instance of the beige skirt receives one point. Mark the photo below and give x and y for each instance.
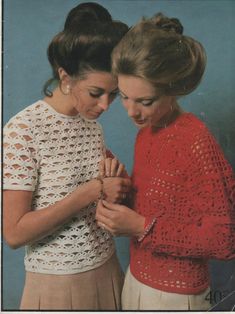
(97, 289)
(138, 296)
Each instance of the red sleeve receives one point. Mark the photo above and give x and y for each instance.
(209, 198)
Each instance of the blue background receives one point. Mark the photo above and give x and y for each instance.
(29, 26)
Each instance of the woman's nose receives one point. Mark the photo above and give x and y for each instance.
(132, 109)
(104, 102)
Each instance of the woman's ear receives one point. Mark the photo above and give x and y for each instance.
(65, 81)
(63, 75)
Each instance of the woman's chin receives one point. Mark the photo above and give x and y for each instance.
(140, 123)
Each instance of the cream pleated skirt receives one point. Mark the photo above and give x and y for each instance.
(138, 296)
(97, 289)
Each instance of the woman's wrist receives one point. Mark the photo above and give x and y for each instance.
(140, 226)
(148, 226)
(101, 189)
(91, 189)
(90, 192)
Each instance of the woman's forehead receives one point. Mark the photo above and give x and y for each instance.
(102, 80)
(135, 86)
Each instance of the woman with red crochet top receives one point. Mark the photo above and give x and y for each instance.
(183, 208)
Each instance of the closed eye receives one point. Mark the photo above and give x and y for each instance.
(143, 101)
(95, 95)
(147, 103)
(99, 94)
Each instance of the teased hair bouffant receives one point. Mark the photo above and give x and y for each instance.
(85, 44)
(156, 50)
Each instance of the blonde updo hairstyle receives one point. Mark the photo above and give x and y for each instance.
(157, 51)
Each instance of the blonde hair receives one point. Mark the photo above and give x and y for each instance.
(156, 50)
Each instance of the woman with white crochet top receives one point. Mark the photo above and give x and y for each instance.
(52, 151)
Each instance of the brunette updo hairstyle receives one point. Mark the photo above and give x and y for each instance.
(86, 43)
(157, 51)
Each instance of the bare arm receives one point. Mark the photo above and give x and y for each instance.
(21, 225)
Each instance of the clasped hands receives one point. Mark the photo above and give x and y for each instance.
(116, 183)
(118, 219)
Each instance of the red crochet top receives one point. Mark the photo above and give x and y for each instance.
(181, 177)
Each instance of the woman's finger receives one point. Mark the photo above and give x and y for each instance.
(111, 206)
(105, 227)
(101, 224)
(120, 170)
(102, 168)
(102, 219)
(102, 212)
(108, 162)
(114, 166)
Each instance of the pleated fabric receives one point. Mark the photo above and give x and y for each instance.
(138, 296)
(97, 289)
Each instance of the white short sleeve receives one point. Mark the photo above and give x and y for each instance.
(19, 157)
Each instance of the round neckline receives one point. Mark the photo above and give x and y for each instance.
(62, 115)
(171, 125)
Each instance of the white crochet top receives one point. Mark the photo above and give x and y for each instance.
(51, 154)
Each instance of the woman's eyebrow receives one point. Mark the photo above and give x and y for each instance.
(100, 89)
(146, 98)
(96, 87)
(141, 98)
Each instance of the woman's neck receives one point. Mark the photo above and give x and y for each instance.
(169, 117)
(61, 103)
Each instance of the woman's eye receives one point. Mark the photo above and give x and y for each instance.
(94, 95)
(147, 103)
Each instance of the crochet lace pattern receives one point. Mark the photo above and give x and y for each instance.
(182, 178)
(52, 154)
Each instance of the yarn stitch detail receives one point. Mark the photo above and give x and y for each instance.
(183, 180)
(51, 154)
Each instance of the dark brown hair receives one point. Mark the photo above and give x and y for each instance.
(87, 11)
(85, 44)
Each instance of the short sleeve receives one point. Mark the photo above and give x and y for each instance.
(19, 156)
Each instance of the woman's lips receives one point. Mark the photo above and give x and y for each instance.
(96, 113)
(138, 121)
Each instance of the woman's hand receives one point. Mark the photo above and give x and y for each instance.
(111, 167)
(115, 189)
(119, 219)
